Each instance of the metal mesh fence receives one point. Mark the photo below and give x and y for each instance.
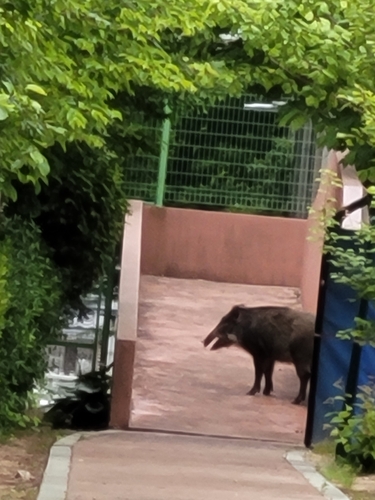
(232, 157)
(141, 169)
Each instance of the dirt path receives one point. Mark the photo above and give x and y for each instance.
(180, 386)
(23, 458)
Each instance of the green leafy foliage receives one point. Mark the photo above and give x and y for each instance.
(363, 332)
(30, 316)
(80, 214)
(355, 265)
(4, 295)
(321, 54)
(73, 71)
(65, 63)
(353, 428)
(352, 254)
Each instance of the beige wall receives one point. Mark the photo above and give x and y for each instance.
(328, 196)
(225, 247)
(127, 323)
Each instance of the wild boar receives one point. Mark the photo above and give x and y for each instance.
(269, 334)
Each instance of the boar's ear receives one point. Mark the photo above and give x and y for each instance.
(236, 311)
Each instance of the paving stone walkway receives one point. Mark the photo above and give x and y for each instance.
(181, 386)
(147, 466)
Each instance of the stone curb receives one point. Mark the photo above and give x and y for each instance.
(54, 484)
(55, 478)
(328, 490)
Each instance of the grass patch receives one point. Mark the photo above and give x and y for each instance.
(359, 495)
(335, 471)
(341, 474)
(326, 447)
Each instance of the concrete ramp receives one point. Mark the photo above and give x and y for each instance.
(148, 466)
(180, 386)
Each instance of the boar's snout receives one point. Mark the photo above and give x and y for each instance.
(221, 340)
(225, 331)
(210, 338)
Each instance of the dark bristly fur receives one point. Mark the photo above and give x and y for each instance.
(269, 334)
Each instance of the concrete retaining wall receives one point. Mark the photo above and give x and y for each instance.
(127, 318)
(224, 247)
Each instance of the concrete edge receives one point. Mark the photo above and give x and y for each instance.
(54, 483)
(127, 321)
(328, 490)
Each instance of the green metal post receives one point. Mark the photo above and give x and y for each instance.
(163, 158)
(97, 326)
(107, 314)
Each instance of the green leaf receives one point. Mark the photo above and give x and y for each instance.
(312, 101)
(43, 167)
(287, 118)
(10, 192)
(9, 86)
(298, 122)
(3, 114)
(36, 88)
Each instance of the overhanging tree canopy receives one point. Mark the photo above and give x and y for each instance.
(321, 53)
(62, 62)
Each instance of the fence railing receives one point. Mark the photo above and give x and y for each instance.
(228, 157)
(84, 344)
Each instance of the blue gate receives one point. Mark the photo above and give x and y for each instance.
(339, 366)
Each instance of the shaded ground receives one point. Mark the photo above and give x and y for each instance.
(180, 386)
(149, 466)
(26, 451)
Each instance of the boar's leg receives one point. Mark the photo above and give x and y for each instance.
(301, 350)
(258, 364)
(263, 366)
(304, 377)
(268, 365)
